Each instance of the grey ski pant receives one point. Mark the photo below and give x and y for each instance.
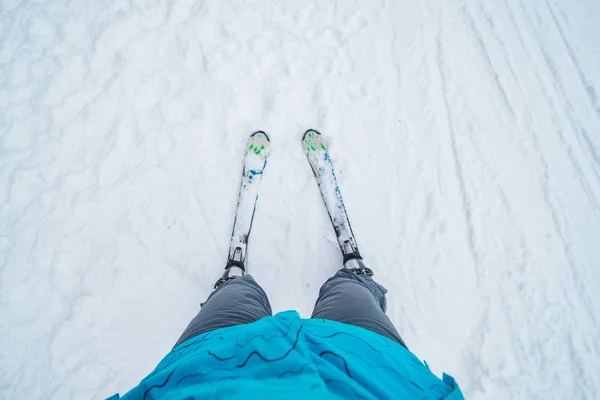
(345, 297)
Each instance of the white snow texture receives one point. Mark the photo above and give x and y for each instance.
(466, 137)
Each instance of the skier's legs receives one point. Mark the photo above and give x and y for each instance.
(236, 301)
(356, 300)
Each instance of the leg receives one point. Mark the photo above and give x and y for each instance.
(356, 300)
(237, 301)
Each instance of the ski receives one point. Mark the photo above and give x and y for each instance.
(322, 167)
(255, 162)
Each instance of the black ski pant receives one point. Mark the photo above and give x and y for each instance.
(345, 297)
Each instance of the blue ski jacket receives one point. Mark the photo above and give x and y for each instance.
(286, 357)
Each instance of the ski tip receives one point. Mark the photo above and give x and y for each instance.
(263, 133)
(310, 131)
(259, 144)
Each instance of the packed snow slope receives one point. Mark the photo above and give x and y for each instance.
(466, 135)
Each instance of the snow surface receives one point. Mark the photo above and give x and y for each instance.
(466, 137)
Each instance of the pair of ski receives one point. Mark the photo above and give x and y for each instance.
(255, 162)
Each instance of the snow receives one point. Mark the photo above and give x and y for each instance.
(465, 136)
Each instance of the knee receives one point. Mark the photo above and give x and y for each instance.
(345, 279)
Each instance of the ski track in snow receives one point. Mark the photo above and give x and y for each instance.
(465, 136)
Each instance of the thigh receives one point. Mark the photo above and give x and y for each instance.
(356, 300)
(237, 301)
